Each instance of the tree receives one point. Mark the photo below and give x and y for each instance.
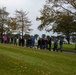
(3, 20)
(53, 14)
(74, 38)
(23, 23)
(12, 24)
(66, 5)
(66, 25)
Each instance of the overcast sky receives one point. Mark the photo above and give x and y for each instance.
(31, 6)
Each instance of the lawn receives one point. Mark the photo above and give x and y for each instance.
(26, 61)
(67, 47)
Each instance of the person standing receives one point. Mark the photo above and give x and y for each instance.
(20, 41)
(15, 41)
(5, 39)
(38, 46)
(46, 43)
(23, 41)
(49, 43)
(33, 41)
(61, 44)
(12, 39)
(55, 45)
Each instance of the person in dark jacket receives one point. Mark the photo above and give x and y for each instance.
(12, 40)
(20, 41)
(61, 44)
(23, 41)
(46, 43)
(26, 42)
(49, 43)
(43, 43)
(38, 46)
(15, 41)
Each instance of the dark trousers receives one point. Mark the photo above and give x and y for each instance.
(55, 48)
(49, 47)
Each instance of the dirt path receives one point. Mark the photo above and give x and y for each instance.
(69, 52)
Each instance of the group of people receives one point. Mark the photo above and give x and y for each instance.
(20, 42)
(13, 40)
(47, 44)
(42, 43)
(56, 45)
(30, 42)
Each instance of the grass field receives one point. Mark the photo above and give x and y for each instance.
(25, 61)
(68, 47)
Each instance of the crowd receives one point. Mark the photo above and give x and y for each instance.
(47, 44)
(42, 43)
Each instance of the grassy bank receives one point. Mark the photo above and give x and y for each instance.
(25, 61)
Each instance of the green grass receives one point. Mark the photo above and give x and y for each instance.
(69, 47)
(66, 47)
(25, 61)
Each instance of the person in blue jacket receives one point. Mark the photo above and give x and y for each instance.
(33, 41)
